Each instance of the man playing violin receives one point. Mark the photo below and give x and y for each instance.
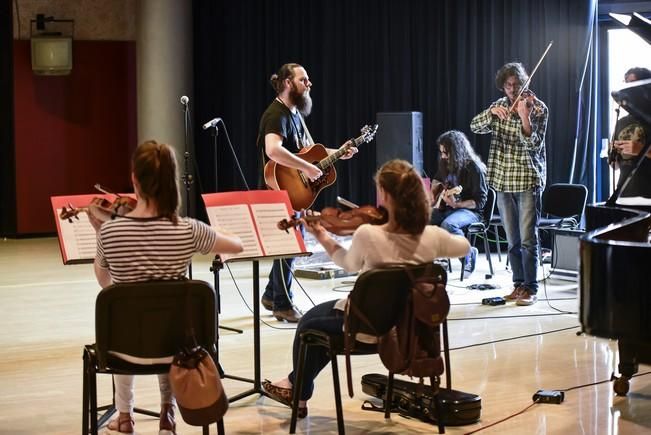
(282, 133)
(517, 172)
(629, 139)
(459, 165)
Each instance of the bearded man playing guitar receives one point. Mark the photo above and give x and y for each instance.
(459, 188)
(281, 134)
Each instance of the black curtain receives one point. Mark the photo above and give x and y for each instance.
(369, 56)
(7, 152)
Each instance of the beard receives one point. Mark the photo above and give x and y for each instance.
(303, 102)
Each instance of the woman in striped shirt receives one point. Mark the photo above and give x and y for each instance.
(152, 243)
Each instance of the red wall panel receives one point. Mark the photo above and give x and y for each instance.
(72, 131)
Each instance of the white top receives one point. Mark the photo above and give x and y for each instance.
(373, 247)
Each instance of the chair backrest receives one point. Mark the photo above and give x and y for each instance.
(148, 319)
(563, 200)
(489, 208)
(381, 294)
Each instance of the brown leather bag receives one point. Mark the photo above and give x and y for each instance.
(412, 347)
(197, 387)
(195, 380)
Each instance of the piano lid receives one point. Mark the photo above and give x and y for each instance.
(636, 23)
(635, 98)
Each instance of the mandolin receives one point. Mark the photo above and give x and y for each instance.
(439, 192)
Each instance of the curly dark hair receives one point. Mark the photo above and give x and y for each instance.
(460, 152)
(412, 205)
(285, 72)
(510, 69)
(639, 72)
(154, 167)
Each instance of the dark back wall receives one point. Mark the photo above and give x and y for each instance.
(370, 56)
(72, 131)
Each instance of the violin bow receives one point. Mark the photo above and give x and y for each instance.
(526, 84)
(99, 187)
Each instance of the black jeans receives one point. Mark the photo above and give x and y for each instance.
(322, 317)
(279, 279)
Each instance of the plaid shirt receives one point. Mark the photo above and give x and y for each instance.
(515, 162)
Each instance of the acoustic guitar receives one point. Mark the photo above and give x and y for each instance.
(302, 192)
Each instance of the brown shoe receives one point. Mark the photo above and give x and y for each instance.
(283, 395)
(267, 303)
(167, 425)
(123, 424)
(527, 298)
(290, 315)
(515, 294)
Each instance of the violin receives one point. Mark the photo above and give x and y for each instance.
(531, 101)
(101, 208)
(340, 222)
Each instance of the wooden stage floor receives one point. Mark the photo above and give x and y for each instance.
(504, 354)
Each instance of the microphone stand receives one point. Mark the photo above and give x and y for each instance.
(217, 263)
(187, 178)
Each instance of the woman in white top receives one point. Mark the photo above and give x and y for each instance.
(406, 238)
(152, 242)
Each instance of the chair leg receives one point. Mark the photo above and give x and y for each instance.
(498, 243)
(388, 400)
(335, 379)
(298, 384)
(488, 252)
(220, 428)
(85, 396)
(438, 412)
(92, 394)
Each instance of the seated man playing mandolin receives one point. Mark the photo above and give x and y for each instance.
(459, 188)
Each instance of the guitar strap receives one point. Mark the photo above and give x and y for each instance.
(310, 141)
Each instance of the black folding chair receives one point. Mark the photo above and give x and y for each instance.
(563, 205)
(481, 228)
(380, 294)
(144, 320)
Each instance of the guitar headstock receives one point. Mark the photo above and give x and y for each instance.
(368, 133)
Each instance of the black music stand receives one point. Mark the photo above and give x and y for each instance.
(257, 378)
(253, 216)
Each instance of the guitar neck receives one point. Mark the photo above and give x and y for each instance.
(332, 158)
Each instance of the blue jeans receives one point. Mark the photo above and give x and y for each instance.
(279, 279)
(322, 317)
(455, 221)
(520, 212)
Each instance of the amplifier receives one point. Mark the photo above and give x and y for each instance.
(565, 254)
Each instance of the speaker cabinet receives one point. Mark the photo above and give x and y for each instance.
(400, 136)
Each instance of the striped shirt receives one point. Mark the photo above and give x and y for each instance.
(144, 249)
(515, 162)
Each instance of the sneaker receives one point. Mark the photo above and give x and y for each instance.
(290, 315)
(267, 303)
(470, 264)
(527, 298)
(517, 292)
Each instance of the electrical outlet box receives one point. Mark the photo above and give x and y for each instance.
(549, 396)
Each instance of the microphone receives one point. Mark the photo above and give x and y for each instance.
(185, 100)
(212, 123)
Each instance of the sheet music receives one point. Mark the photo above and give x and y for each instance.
(634, 200)
(236, 219)
(80, 238)
(274, 240)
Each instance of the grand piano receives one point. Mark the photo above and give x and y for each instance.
(615, 261)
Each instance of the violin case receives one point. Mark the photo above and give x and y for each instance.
(412, 400)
